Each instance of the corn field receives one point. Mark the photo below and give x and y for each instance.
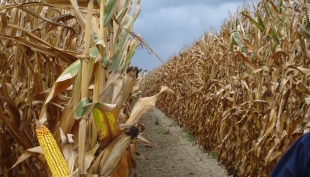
(244, 92)
(66, 86)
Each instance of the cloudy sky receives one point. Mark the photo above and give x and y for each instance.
(170, 25)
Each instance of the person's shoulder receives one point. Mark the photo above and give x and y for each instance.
(306, 134)
(305, 137)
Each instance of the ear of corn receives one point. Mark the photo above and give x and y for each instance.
(52, 153)
(55, 49)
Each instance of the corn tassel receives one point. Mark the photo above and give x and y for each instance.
(52, 153)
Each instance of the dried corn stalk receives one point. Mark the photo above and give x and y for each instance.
(244, 93)
(55, 56)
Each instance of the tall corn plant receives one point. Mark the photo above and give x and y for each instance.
(244, 92)
(65, 85)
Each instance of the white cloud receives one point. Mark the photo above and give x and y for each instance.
(168, 26)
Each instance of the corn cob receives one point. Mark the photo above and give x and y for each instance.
(52, 153)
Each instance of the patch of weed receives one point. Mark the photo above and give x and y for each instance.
(213, 155)
(189, 136)
(156, 120)
(160, 132)
(175, 123)
(191, 174)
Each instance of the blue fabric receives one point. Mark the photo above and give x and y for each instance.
(296, 161)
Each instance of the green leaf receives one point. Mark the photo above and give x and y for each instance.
(137, 9)
(96, 38)
(81, 109)
(274, 35)
(260, 21)
(306, 32)
(69, 72)
(104, 115)
(109, 10)
(235, 36)
(64, 80)
(106, 60)
(105, 118)
(267, 8)
(123, 11)
(280, 6)
(94, 52)
(100, 123)
(121, 45)
(132, 50)
(106, 121)
(259, 24)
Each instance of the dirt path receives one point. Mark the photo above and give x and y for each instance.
(173, 153)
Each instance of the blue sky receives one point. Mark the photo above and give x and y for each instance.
(170, 25)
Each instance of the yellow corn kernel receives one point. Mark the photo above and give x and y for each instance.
(52, 153)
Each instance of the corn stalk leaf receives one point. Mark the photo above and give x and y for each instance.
(27, 153)
(143, 105)
(122, 42)
(109, 10)
(65, 79)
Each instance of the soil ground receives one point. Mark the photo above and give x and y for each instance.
(174, 153)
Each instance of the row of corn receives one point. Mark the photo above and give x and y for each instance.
(66, 86)
(243, 92)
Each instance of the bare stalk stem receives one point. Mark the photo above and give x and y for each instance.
(84, 88)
